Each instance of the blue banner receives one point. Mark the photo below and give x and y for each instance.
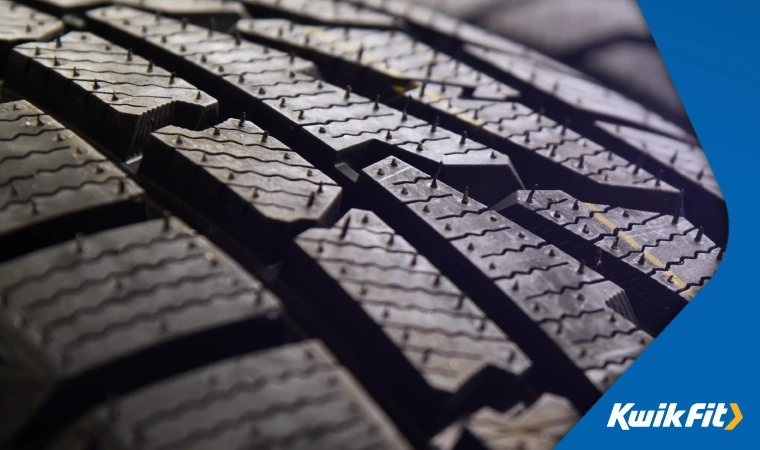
(705, 361)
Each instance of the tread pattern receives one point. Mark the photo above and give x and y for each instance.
(538, 426)
(120, 104)
(435, 26)
(289, 397)
(23, 24)
(686, 159)
(396, 302)
(244, 179)
(220, 14)
(188, 8)
(61, 7)
(556, 302)
(321, 11)
(394, 54)
(683, 164)
(120, 329)
(48, 173)
(335, 123)
(83, 305)
(469, 99)
(661, 261)
(575, 93)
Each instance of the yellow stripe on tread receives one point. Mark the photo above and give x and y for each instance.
(632, 242)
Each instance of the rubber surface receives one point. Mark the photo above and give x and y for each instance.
(121, 105)
(437, 86)
(567, 312)
(441, 353)
(245, 179)
(539, 426)
(22, 24)
(296, 396)
(660, 260)
(312, 230)
(144, 300)
(48, 175)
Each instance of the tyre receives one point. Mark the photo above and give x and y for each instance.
(324, 224)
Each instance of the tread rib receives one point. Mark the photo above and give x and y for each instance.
(660, 264)
(244, 180)
(113, 96)
(53, 184)
(282, 98)
(532, 294)
(286, 397)
(441, 352)
(109, 312)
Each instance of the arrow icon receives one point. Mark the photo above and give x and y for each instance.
(737, 417)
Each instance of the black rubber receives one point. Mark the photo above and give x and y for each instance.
(319, 228)
(661, 261)
(539, 425)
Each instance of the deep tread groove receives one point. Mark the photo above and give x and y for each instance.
(106, 313)
(442, 354)
(580, 309)
(245, 179)
(119, 106)
(660, 264)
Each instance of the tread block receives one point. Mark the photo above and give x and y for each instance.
(61, 7)
(107, 312)
(445, 30)
(49, 176)
(538, 426)
(293, 101)
(371, 286)
(387, 52)
(683, 164)
(320, 11)
(288, 397)
(22, 24)
(110, 94)
(542, 150)
(222, 14)
(555, 308)
(245, 179)
(573, 92)
(218, 14)
(661, 261)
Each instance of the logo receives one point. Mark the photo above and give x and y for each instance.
(668, 415)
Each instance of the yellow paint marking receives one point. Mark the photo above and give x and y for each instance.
(737, 417)
(632, 242)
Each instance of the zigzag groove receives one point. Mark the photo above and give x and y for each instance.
(269, 412)
(565, 288)
(60, 168)
(81, 311)
(529, 271)
(47, 301)
(39, 195)
(111, 327)
(78, 262)
(210, 397)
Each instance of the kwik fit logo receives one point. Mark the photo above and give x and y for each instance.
(669, 415)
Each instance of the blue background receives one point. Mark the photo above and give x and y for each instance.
(709, 353)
